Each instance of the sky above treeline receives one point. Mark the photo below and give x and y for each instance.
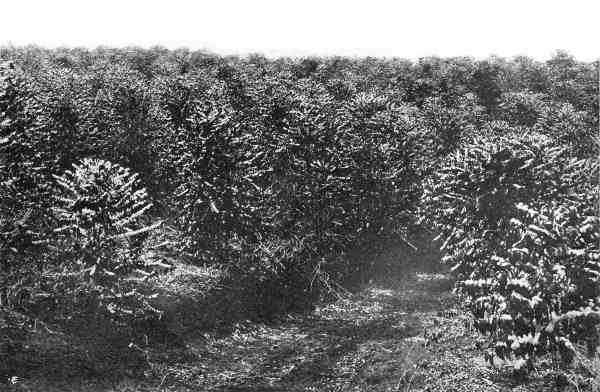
(382, 28)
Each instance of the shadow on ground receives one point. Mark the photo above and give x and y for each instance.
(370, 340)
(400, 331)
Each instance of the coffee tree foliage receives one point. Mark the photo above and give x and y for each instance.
(102, 213)
(276, 169)
(568, 127)
(521, 108)
(519, 219)
(25, 185)
(286, 172)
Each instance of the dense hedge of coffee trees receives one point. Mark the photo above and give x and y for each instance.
(274, 169)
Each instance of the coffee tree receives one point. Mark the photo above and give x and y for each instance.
(101, 208)
(521, 229)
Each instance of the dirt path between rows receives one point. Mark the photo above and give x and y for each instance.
(402, 332)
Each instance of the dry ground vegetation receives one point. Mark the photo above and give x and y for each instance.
(403, 330)
(176, 220)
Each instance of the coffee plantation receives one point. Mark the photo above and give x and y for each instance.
(120, 166)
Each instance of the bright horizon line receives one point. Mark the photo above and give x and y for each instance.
(273, 55)
(406, 29)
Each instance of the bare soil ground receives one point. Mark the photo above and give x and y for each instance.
(403, 331)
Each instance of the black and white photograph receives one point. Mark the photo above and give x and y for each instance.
(299, 196)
